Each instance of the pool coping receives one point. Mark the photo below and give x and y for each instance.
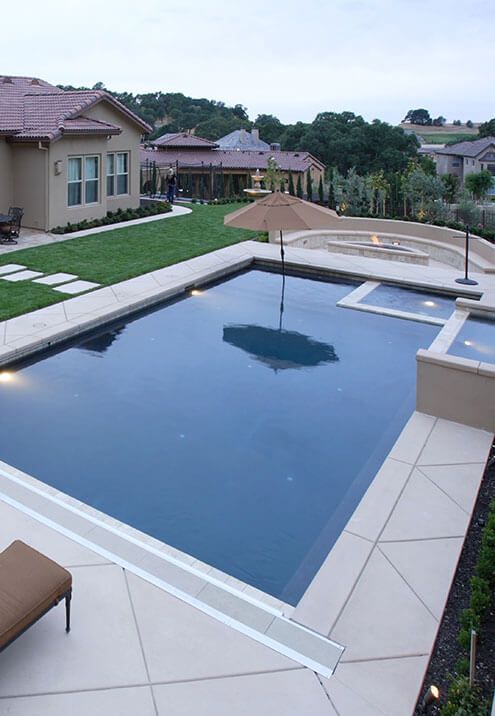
(313, 616)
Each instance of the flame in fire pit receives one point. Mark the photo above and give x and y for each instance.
(375, 239)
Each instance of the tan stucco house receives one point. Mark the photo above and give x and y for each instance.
(66, 156)
(464, 158)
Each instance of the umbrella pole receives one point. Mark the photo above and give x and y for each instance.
(282, 251)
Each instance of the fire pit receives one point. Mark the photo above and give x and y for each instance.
(375, 249)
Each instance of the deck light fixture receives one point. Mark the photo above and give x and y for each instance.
(430, 698)
(196, 292)
(6, 376)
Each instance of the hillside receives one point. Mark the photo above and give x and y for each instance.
(442, 135)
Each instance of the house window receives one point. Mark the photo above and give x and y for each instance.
(74, 182)
(83, 180)
(117, 173)
(455, 164)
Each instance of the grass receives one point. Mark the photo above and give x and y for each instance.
(446, 137)
(113, 256)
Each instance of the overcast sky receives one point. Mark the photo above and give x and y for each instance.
(377, 58)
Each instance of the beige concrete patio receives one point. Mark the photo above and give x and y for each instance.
(138, 646)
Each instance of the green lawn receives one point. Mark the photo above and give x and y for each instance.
(113, 256)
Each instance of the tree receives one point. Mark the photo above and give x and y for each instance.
(309, 185)
(380, 189)
(439, 121)
(421, 189)
(457, 123)
(469, 124)
(270, 128)
(272, 174)
(356, 194)
(451, 182)
(467, 211)
(299, 189)
(292, 191)
(240, 112)
(331, 190)
(478, 183)
(487, 129)
(418, 116)
(321, 195)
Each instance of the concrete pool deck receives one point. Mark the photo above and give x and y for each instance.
(141, 648)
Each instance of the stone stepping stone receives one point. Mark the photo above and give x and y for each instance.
(22, 275)
(55, 278)
(76, 287)
(9, 268)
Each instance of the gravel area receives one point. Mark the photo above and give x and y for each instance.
(447, 650)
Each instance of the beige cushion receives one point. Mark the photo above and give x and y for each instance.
(30, 584)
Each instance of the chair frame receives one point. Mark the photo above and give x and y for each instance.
(67, 596)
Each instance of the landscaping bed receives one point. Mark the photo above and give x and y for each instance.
(448, 654)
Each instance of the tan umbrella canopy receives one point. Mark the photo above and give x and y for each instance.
(278, 212)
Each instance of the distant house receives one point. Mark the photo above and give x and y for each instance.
(243, 140)
(66, 156)
(465, 158)
(207, 170)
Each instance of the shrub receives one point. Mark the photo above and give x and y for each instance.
(463, 700)
(157, 207)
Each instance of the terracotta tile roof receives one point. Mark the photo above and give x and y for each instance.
(31, 109)
(467, 149)
(232, 159)
(183, 139)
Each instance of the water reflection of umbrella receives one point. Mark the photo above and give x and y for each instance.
(279, 348)
(283, 212)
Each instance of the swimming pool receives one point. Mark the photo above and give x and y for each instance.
(238, 434)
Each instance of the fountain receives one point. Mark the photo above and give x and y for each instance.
(256, 192)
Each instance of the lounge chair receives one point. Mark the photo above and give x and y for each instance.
(10, 230)
(30, 585)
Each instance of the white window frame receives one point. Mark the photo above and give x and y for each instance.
(116, 174)
(82, 181)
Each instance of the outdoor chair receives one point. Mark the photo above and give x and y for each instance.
(30, 585)
(10, 230)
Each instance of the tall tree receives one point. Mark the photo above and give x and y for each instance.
(309, 185)
(292, 191)
(299, 189)
(321, 195)
(331, 189)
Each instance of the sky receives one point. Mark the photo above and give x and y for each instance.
(376, 58)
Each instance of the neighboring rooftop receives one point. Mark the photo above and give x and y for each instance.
(32, 109)
(468, 149)
(232, 159)
(183, 140)
(242, 140)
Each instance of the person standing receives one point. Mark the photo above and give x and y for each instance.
(171, 185)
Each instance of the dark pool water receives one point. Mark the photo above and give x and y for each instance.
(401, 299)
(475, 340)
(211, 427)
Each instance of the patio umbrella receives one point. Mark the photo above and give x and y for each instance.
(282, 212)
